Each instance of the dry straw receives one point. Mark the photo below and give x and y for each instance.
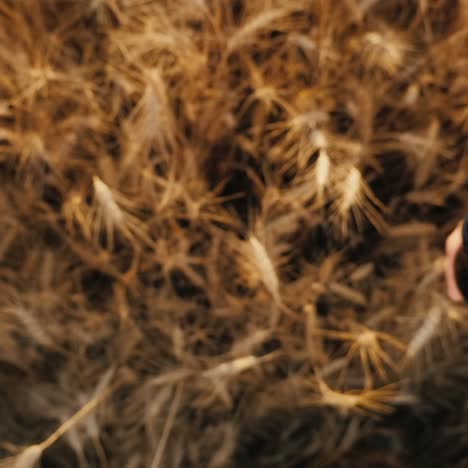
(241, 205)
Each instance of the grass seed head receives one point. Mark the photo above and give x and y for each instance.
(265, 267)
(356, 202)
(30, 458)
(106, 200)
(322, 173)
(350, 191)
(384, 50)
(363, 402)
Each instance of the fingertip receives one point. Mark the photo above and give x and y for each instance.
(454, 293)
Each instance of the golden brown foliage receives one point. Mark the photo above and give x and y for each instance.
(227, 216)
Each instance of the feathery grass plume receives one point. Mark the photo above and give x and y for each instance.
(356, 201)
(380, 401)
(247, 33)
(368, 346)
(264, 256)
(151, 124)
(77, 215)
(112, 214)
(261, 259)
(322, 173)
(311, 182)
(109, 213)
(382, 49)
(298, 137)
(257, 263)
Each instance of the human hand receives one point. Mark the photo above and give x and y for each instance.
(453, 244)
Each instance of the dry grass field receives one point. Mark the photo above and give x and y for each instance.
(222, 233)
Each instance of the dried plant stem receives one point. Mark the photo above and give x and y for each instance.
(158, 456)
(238, 365)
(425, 333)
(78, 416)
(29, 457)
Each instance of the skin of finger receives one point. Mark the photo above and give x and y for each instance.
(454, 240)
(452, 287)
(453, 290)
(452, 245)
